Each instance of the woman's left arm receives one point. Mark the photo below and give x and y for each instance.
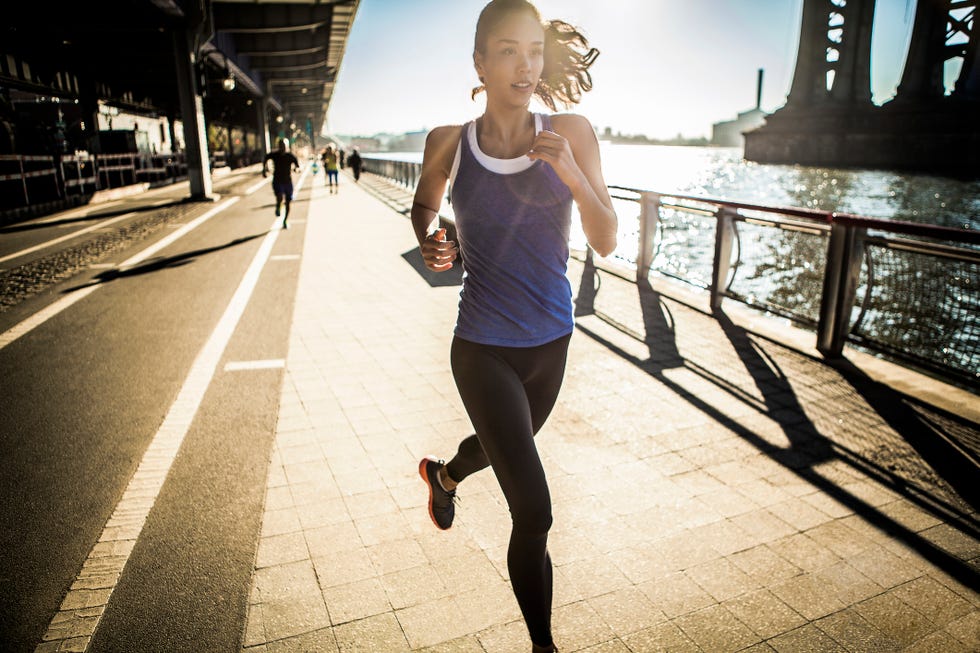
(573, 151)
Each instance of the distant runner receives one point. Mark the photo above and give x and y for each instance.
(330, 165)
(283, 164)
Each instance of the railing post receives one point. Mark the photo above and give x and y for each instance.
(724, 238)
(59, 178)
(23, 181)
(845, 253)
(649, 217)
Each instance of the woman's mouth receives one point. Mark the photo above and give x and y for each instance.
(522, 86)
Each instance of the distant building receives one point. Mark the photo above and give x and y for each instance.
(365, 143)
(729, 133)
(409, 141)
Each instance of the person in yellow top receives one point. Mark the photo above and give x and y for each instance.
(330, 165)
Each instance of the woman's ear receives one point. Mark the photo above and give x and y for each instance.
(478, 64)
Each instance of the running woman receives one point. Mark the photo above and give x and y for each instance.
(283, 164)
(513, 176)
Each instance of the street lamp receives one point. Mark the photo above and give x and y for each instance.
(228, 83)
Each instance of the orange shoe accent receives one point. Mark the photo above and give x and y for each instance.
(425, 478)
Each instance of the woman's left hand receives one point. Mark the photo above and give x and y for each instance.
(554, 149)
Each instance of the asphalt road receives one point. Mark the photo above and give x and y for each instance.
(84, 393)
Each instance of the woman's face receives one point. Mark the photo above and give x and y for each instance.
(513, 58)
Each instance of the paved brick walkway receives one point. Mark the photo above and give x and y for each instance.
(714, 490)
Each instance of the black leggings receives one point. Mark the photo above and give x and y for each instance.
(508, 393)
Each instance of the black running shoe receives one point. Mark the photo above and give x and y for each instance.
(441, 506)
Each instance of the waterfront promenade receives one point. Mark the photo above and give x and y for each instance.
(714, 488)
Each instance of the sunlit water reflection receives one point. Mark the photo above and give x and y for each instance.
(923, 306)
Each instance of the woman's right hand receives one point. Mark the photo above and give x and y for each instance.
(437, 252)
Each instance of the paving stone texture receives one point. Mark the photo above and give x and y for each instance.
(713, 489)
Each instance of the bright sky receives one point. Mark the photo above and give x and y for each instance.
(666, 66)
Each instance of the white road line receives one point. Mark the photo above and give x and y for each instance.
(270, 364)
(43, 315)
(47, 313)
(61, 239)
(257, 185)
(88, 596)
(83, 606)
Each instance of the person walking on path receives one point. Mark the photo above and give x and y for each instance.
(330, 165)
(283, 164)
(354, 161)
(513, 176)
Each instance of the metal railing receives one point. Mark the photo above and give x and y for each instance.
(26, 180)
(906, 289)
(19, 172)
(78, 172)
(405, 173)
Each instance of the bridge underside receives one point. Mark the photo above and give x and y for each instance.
(829, 118)
(940, 139)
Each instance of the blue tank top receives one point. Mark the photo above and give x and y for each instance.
(513, 230)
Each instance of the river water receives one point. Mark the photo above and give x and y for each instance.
(721, 173)
(926, 307)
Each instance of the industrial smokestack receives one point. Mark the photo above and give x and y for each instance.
(758, 91)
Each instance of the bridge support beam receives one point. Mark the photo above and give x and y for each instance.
(968, 85)
(852, 66)
(922, 78)
(852, 74)
(262, 116)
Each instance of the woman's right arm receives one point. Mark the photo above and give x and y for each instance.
(440, 149)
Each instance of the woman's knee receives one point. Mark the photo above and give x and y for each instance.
(532, 520)
(470, 448)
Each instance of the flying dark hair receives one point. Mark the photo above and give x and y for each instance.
(567, 55)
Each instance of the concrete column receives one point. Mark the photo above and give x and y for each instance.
(852, 81)
(89, 98)
(262, 114)
(192, 114)
(172, 123)
(923, 74)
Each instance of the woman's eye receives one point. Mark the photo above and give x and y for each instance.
(508, 51)
(537, 52)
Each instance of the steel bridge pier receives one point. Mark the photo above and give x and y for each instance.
(829, 118)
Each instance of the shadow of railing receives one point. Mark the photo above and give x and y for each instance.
(808, 448)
